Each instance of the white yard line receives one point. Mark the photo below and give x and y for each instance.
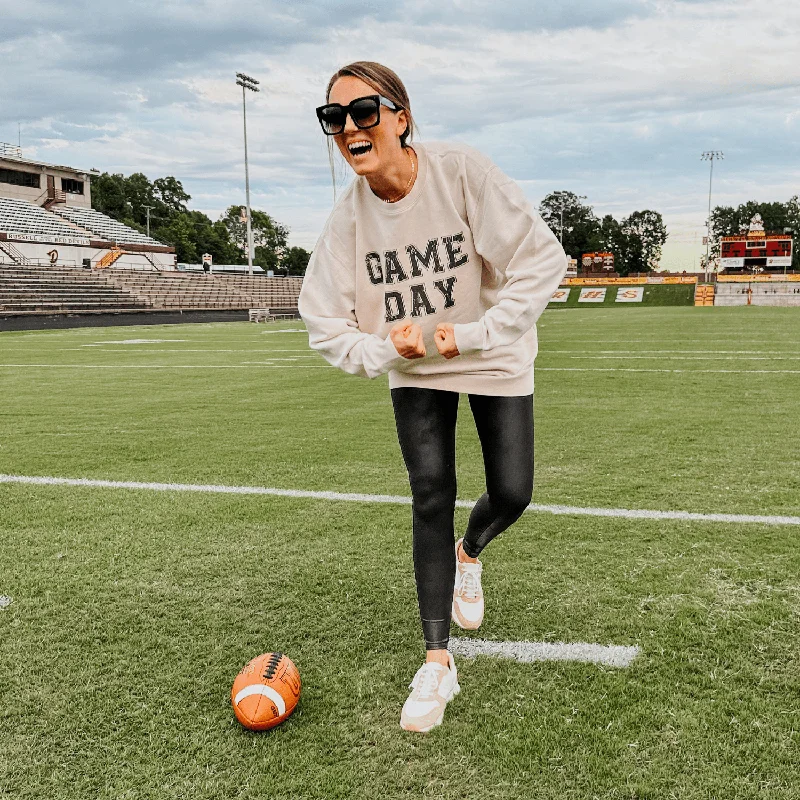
(627, 513)
(545, 351)
(610, 655)
(687, 371)
(270, 365)
(662, 357)
(178, 366)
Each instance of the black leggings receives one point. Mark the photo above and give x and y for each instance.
(426, 429)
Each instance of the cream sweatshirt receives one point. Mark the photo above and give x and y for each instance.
(463, 246)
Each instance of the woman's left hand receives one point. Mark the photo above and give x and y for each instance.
(446, 340)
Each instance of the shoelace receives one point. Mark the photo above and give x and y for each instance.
(469, 585)
(426, 681)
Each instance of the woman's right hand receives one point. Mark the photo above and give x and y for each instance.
(407, 339)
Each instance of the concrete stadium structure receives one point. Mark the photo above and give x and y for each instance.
(46, 218)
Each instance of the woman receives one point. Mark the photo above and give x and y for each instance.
(433, 267)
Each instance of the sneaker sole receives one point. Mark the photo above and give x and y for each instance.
(464, 627)
(438, 721)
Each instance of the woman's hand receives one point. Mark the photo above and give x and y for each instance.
(446, 340)
(407, 339)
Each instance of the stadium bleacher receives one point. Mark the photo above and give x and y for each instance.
(21, 217)
(758, 294)
(173, 290)
(102, 226)
(36, 290)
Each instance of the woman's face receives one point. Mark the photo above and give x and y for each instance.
(384, 137)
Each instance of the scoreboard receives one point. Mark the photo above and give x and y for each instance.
(756, 250)
(595, 262)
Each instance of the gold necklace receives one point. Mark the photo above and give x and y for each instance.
(410, 180)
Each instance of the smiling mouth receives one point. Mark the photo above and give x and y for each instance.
(359, 150)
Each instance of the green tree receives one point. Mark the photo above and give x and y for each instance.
(212, 237)
(139, 193)
(646, 233)
(295, 261)
(269, 236)
(108, 196)
(580, 223)
(169, 196)
(180, 233)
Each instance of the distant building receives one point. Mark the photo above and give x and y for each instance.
(42, 184)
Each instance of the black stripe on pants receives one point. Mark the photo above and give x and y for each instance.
(426, 430)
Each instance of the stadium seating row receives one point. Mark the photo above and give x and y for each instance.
(103, 226)
(21, 217)
(18, 216)
(63, 289)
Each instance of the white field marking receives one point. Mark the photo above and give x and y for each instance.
(609, 655)
(690, 352)
(270, 365)
(687, 371)
(187, 349)
(137, 341)
(628, 513)
(265, 365)
(627, 357)
(286, 330)
(267, 691)
(5, 601)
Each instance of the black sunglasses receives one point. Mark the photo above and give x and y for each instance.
(364, 111)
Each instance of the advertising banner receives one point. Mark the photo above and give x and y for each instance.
(671, 279)
(779, 261)
(592, 295)
(736, 263)
(635, 294)
(46, 238)
(560, 296)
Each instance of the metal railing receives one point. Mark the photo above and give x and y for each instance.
(10, 150)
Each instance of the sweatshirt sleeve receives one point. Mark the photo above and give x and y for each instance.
(516, 242)
(327, 306)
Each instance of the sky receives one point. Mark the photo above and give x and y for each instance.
(614, 100)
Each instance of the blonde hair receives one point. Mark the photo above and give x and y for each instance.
(385, 82)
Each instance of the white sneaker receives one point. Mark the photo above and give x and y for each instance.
(433, 687)
(467, 594)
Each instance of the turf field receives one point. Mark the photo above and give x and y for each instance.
(128, 612)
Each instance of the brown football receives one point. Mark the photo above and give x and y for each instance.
(266, 691)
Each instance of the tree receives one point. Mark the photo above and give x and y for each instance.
(108, 196)
(212, 237)
(192, 233)
(180, 233)
(295, 261)
(646, 234)
(580, 223)
(269, 236)
(169, 195)
(139, 193)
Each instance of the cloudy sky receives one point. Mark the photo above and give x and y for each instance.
(615, 100)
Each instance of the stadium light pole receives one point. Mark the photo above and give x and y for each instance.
(147, 211)
(710, 155)
(561, 208)
(246, 82)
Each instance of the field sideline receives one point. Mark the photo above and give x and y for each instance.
(128, 611)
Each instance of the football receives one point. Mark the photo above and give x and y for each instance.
(266, 691)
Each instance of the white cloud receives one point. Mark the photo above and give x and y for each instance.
(615, 101)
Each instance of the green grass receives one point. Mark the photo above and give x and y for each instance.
(654, 295)
(133, 610)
